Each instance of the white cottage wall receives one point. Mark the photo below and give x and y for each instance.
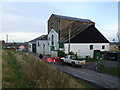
(30, 47)
(42, 47)
(55, 40)
(83, 49)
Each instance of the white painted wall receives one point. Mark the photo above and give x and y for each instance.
(41, 49)
(55, 34)
(83, 49)
(30, 46)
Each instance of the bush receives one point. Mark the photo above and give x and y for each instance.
(71, 53)
(61, 54)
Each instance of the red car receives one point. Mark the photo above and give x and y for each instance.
(53, 59)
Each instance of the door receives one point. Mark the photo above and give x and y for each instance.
(34, 48)
(66, 59)
(97, 54)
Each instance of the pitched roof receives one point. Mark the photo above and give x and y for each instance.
(75, 32)
(73, 18)
(43, 37)
(87, 34)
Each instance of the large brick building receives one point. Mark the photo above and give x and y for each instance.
(61, 24)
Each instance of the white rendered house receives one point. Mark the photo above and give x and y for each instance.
(86, 42)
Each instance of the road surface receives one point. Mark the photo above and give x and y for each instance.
(101, 80)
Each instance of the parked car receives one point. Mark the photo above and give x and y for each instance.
(53, 59)
(71, 59)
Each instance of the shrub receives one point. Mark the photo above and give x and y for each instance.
(61, 54)
(71, 53)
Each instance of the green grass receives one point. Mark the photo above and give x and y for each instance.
(19, 78)
(113, 71)
(22, 70)
(89, 60)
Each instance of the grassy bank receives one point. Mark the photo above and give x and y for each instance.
(22, 70)
(13, 74)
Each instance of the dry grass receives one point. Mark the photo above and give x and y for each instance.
(7, 74)
(44, 75)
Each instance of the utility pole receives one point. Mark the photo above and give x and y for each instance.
(69, 38)
(7, 38)
(59, 29)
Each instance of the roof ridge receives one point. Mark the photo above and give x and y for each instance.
(73, 18)
(38, 38)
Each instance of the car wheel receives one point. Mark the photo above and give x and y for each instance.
(73, 64)
(62, 61)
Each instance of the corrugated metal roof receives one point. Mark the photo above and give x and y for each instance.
(43, 37)
(73, 18)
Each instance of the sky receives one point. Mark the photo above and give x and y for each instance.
(24, 21)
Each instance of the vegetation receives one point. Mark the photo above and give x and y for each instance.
(71, 53)
(22, 70)
(110, 70)
(61, 54)
(13, 74)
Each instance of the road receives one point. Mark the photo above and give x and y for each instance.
(99, 79)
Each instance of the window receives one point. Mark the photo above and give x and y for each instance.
(38, 44)
(103, 47)
(52, 42)
(91, 47)
(61, 45)
(52, 48)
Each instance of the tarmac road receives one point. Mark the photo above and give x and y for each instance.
(99, 79)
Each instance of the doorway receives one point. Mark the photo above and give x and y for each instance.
(34, 48)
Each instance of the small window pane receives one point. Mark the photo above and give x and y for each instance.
(91, 47)
(52, 40)
(38, 44)
(103, 47)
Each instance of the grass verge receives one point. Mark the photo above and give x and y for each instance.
(15, 77)
(110, 70)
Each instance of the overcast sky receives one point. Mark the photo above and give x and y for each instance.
(23, 21)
